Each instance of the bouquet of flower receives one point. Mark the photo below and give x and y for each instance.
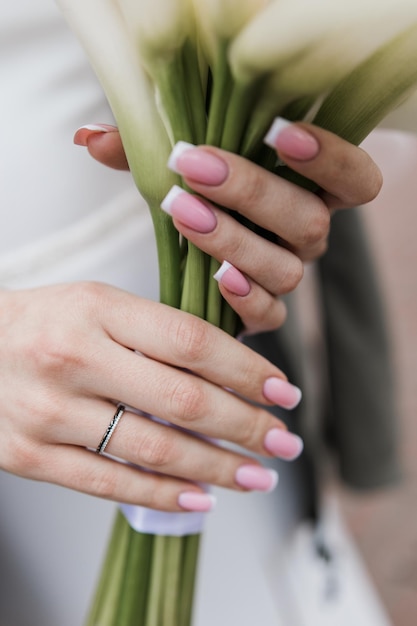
(218, 72)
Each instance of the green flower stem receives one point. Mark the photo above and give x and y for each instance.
(299, 108)
(134, 594)
(194, 91)
(106, 604)
(229, 320)
(169, 257)
(239, 107)
(194, 289)
(267, 107)
(191, 546)
(214, 297)
(168, 75)
(156, 582)
(220, 90)
(173, 573)
(106, 569)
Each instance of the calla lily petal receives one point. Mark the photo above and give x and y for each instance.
(361, 101)
(289, 31)
(159, 27)
(128, 89)
(222, 20)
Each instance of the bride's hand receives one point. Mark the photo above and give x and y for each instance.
(258, 271)
(71, 353)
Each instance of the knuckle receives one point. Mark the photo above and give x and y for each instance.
(22, 458)
(317, 226)
(373, 185)
(103, 483)
(251, 193)
(157, 494)
(274, 317)
(187, 401)
(316, 252)
(56, 352)
(190, 340)
(251, 430)
(155, 450)
(236, 247)
(88, 294)
(259, 318)
(48, 410)
(291, 276)
(321, 249)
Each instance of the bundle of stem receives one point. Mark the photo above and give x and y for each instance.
(148, 580)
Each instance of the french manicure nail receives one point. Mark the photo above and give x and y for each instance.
(291, 140)
(232, 279)
(197, 164)
(282, 393)
(189, 210)
(82, 134)
(257, 478)
(196, 501)
(283, 444)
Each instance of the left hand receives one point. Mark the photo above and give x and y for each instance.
(261, 270)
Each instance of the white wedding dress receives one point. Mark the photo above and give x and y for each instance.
(65, 218)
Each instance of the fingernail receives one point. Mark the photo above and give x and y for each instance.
(198, 164)
(232, 279)
(189, 210)
(291, 140)
(281, 443)
(84, 132)
(195, 501)
(282, 392)
(256, 478)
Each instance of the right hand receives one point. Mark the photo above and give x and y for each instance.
(69, 354)
(297, 219)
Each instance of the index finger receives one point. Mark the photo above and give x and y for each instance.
(343, 170)
(185, 341)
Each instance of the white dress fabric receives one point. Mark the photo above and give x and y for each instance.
(65, 218)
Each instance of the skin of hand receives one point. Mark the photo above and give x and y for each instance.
(258, 271)
(70, 353)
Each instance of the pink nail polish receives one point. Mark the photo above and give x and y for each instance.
(196, 501)
(283, 444)
(257, 478)
(189, 210)
(291, 140)
(84, 132)
(232, 279)
(282, 393)
(198, 164)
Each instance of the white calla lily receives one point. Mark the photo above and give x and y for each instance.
(131, 97)
(221, 20)
(335, 35)
(159, 27)
(380, 83)
(160, 31)
(331, 40)
(128, 89)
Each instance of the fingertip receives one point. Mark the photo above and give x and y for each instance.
(107, 148)
(82, 134)
(232, 279)
(292, 140)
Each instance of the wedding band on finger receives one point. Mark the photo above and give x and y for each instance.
(110, 429)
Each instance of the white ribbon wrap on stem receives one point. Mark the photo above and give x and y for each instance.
(152, 522)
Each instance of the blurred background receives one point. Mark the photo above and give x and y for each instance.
(384, 524)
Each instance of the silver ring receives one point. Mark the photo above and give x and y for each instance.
(110, 429)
